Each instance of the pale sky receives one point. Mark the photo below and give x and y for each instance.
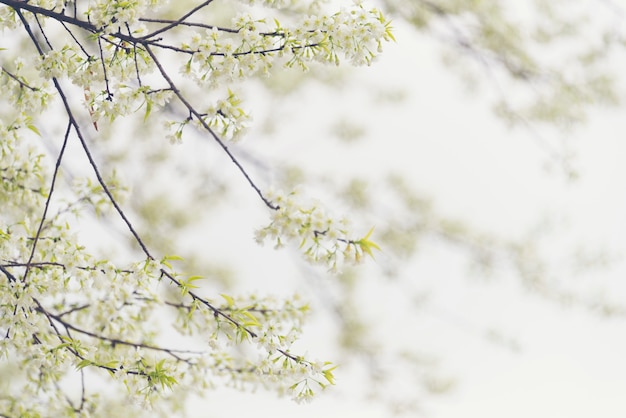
(446, 140)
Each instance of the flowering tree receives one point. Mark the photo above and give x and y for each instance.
(99, 288)
(72, 321)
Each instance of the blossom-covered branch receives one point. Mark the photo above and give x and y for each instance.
(65, 309)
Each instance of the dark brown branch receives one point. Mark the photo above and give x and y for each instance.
(18, 5)
(117, 341)
(216, 312)
(101, 181)
(70, 349)
(198, 116)
(16, 78)
(8, 274)
(290, 356)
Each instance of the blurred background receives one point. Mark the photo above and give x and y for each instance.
(485, 148)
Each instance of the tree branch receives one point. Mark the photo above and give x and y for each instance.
(24, 5)
(198, 116)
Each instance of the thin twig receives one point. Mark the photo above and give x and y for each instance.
(48, 200)
(198, 116)
(190, 24)
(179, 21)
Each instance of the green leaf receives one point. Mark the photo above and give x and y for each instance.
(366, 245)
(148, 110)
(186, 285)
(34, 129)
(166, 260)
(253, 321)
(194, 278)
(328, 375)
(230, 301)
(111, 364)
(84, 363)
(60, 346)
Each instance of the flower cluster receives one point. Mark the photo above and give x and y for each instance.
(253, 45)
(107, 95)
(323, 239)
(227, 117)
(300, 377)
(111, 15)
(355, 32)
(221, 56)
